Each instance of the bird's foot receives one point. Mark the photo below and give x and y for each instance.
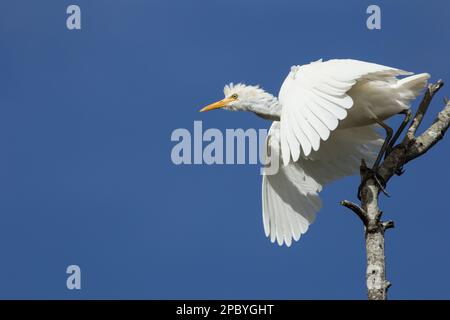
(399, 171)
(373, 174)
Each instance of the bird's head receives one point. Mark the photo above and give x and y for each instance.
(241, 97)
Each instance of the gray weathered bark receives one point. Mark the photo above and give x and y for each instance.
(408, 149)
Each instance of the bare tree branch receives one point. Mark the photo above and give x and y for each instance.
(410, 148)
(356, 209)
(388, 225)
(423, 107)
(431, 136)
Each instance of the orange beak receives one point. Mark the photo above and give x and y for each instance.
(217, 105)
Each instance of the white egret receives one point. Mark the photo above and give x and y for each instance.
(324, 122)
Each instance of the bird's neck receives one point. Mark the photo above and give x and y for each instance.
(268, 108)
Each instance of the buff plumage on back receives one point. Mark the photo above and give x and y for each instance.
(314, 99)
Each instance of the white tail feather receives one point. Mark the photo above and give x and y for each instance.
(410, 87)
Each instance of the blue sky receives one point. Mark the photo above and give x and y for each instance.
(85, 171)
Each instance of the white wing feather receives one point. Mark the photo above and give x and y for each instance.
(290, 198)
(314, 98)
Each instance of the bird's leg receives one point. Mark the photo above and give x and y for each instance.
(373, 173)
(408, 115)
(386, 143)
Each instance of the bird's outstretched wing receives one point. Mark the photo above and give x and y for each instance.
(314, 98)
(290, 198)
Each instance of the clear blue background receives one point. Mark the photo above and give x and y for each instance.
(85, 171)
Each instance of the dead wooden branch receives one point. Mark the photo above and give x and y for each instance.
(410, 148)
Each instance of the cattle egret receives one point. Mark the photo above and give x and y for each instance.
(324, 122)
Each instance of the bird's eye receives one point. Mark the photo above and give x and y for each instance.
(234, 96)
